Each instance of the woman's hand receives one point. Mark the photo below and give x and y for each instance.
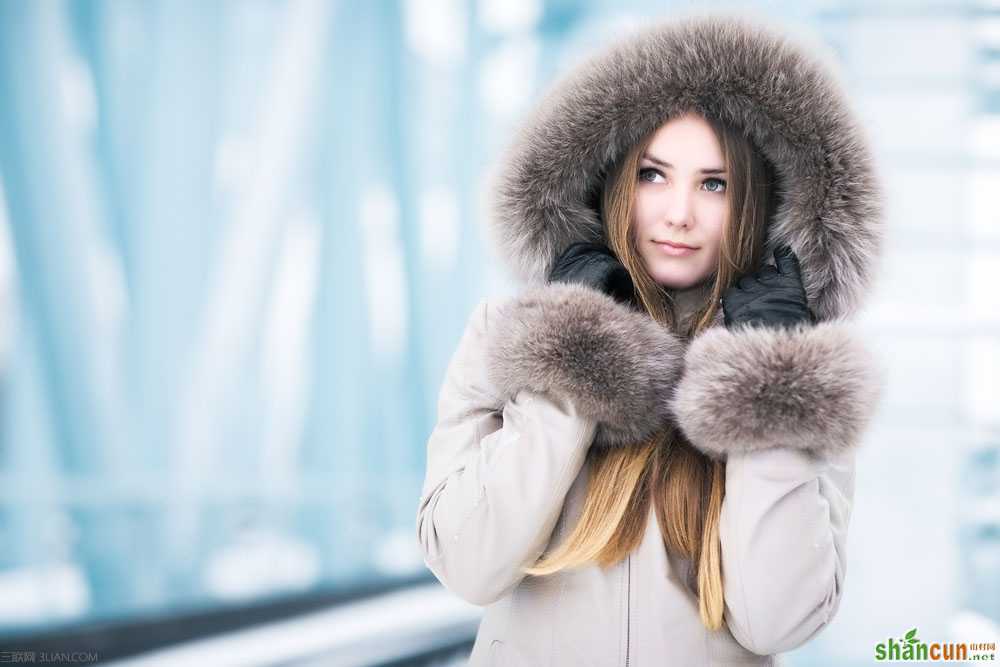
(773, 296)
(593, 264)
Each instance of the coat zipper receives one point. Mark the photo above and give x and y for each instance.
(628, 609)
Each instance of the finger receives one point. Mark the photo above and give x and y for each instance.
(774, 280)
(746, 282)
(767, 272)
(786, 261)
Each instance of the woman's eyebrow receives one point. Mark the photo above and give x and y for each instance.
(664, 163)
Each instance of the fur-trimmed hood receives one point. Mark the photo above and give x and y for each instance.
(829, 211)
(748, 74)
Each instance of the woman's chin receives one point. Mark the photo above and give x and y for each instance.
(676, 282)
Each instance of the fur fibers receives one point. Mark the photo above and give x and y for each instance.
(730, 390)
(813, 387)
(746, 73)
(616, 364)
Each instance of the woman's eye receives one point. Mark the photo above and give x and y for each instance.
(649, 175)
(645, 172)
(721, 187)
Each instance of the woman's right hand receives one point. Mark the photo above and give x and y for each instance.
(593, 264)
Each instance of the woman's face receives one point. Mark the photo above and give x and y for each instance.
(680, 196)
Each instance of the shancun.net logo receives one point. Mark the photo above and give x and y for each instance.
(911, 648)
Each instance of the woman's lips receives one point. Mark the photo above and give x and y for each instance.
(672, 250)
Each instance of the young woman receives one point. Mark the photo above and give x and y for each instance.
(647, 456)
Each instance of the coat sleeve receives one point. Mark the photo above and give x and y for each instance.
(498, 470)
(535, 382)
(786, 409)
(783, 530)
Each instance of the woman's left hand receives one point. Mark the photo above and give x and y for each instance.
(773, 296)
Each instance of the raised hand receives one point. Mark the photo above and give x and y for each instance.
(593, 264)
(771, 296)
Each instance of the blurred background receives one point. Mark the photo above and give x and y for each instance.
(239, 242)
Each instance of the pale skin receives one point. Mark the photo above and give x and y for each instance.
(681, 197)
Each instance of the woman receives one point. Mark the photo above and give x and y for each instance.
(647, 457)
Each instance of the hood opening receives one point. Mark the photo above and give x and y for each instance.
(826, 201)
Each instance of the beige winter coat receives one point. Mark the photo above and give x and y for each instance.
(541, 377)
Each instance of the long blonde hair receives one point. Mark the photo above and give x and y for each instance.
(685, 486)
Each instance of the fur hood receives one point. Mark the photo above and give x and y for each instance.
(813, 387)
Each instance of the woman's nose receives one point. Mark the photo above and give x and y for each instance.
(678, 208)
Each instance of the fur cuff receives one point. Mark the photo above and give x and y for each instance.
(617, 365)
(811, 387)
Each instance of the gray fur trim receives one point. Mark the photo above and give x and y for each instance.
(743, 71)
(813, 387)
(616, 364)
